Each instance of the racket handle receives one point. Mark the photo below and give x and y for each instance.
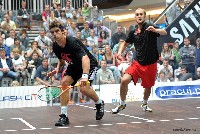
(79, 84)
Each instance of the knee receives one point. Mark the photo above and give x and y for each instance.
(83, 89)
(125, 81)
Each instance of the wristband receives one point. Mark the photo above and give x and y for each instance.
(85, 76)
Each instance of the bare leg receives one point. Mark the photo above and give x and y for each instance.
(124, 86)
(89, 92)
(147, 92)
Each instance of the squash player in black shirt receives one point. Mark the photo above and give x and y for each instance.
(144, 37)
(82, 67)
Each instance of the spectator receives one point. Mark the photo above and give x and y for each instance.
(63, 18)
(171, 13)
(197, 55)
(57, 11)
(162, 77)
(6, 66)
(10, 40)
(19, 64)
(78, 35)
(86, 10)
(110, 61)
(104, 37)
(100, 28)
(104, 75)
(97, 55)
(80, 23)
(43, 42)
(24, 39)
(6, 48)
(19, 46)
(72, 29)
(197, 75)
(9, 22)
(11, 15)
(24, 15)
(167, 69)
(176, 53)
(41, 74)
(34, 48)
(117, 36)
(184, 75)
(45, 15)
(92, 39)
(86, 31)
(187, 55)
(33, 63)
(68, 7)
(74, 16)
(79, 12)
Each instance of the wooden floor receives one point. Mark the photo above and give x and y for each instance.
(168, 117)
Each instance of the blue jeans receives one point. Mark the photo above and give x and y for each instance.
(10, 74)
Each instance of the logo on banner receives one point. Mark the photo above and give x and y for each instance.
(186, 91)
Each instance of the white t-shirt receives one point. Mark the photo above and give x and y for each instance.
(19, 62)
(4, 64)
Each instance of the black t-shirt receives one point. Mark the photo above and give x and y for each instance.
(145, 44)
(73, 52)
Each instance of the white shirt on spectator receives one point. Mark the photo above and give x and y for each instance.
(4, 64)
(9, 42)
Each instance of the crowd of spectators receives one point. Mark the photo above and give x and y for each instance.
(22, 62)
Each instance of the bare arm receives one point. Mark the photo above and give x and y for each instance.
(157, 30)
(85, 64)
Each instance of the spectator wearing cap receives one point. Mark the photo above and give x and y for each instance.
(6, 66)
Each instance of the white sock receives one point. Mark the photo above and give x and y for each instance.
(123, 102)
(64, 110)
(144, 101)
(98, 102)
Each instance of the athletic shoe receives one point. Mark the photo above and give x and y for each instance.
(62, 121)
(145, 107)
(100, 110)
(120, 107)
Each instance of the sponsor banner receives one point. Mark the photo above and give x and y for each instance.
(186, 25)
(22, 96)
(110, 93)
(176, 90)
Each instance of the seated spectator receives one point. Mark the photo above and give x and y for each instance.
(45, 15)
(41, 74)
(24, 39)
(86, 31)
(11, 15)
(19, 46)
(184, 75)
(6, 48)
(117, 36)
(79, 12)
(74, 17)
(9, 22)
(197, 76)
(78, 35)
(24, 15)
(104, 75)
(100, 28)
(86, 10)
(104, 37)
(6, 66)
(84, 41)
(19, 64)
(10, 40)
(80, 23)
(176, 53)
(97, 55)
(162, 77)
(92, 39)
(33, 63)
(167, 69)
(110, 61)
(167, 53)
(43, 40)
(73, 29)
(68, 7)
(34, 48)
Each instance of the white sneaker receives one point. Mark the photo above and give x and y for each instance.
(145, 107)
(118, 108)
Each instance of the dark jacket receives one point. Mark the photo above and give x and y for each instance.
(9, 63)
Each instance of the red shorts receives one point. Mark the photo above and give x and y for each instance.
(147, 73)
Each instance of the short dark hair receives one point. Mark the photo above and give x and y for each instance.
(56, 23)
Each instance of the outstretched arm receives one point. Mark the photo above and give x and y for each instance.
(156, 30)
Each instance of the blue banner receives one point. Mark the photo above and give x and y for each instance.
(186, 91)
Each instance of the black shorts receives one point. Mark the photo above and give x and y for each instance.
(76, 73)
